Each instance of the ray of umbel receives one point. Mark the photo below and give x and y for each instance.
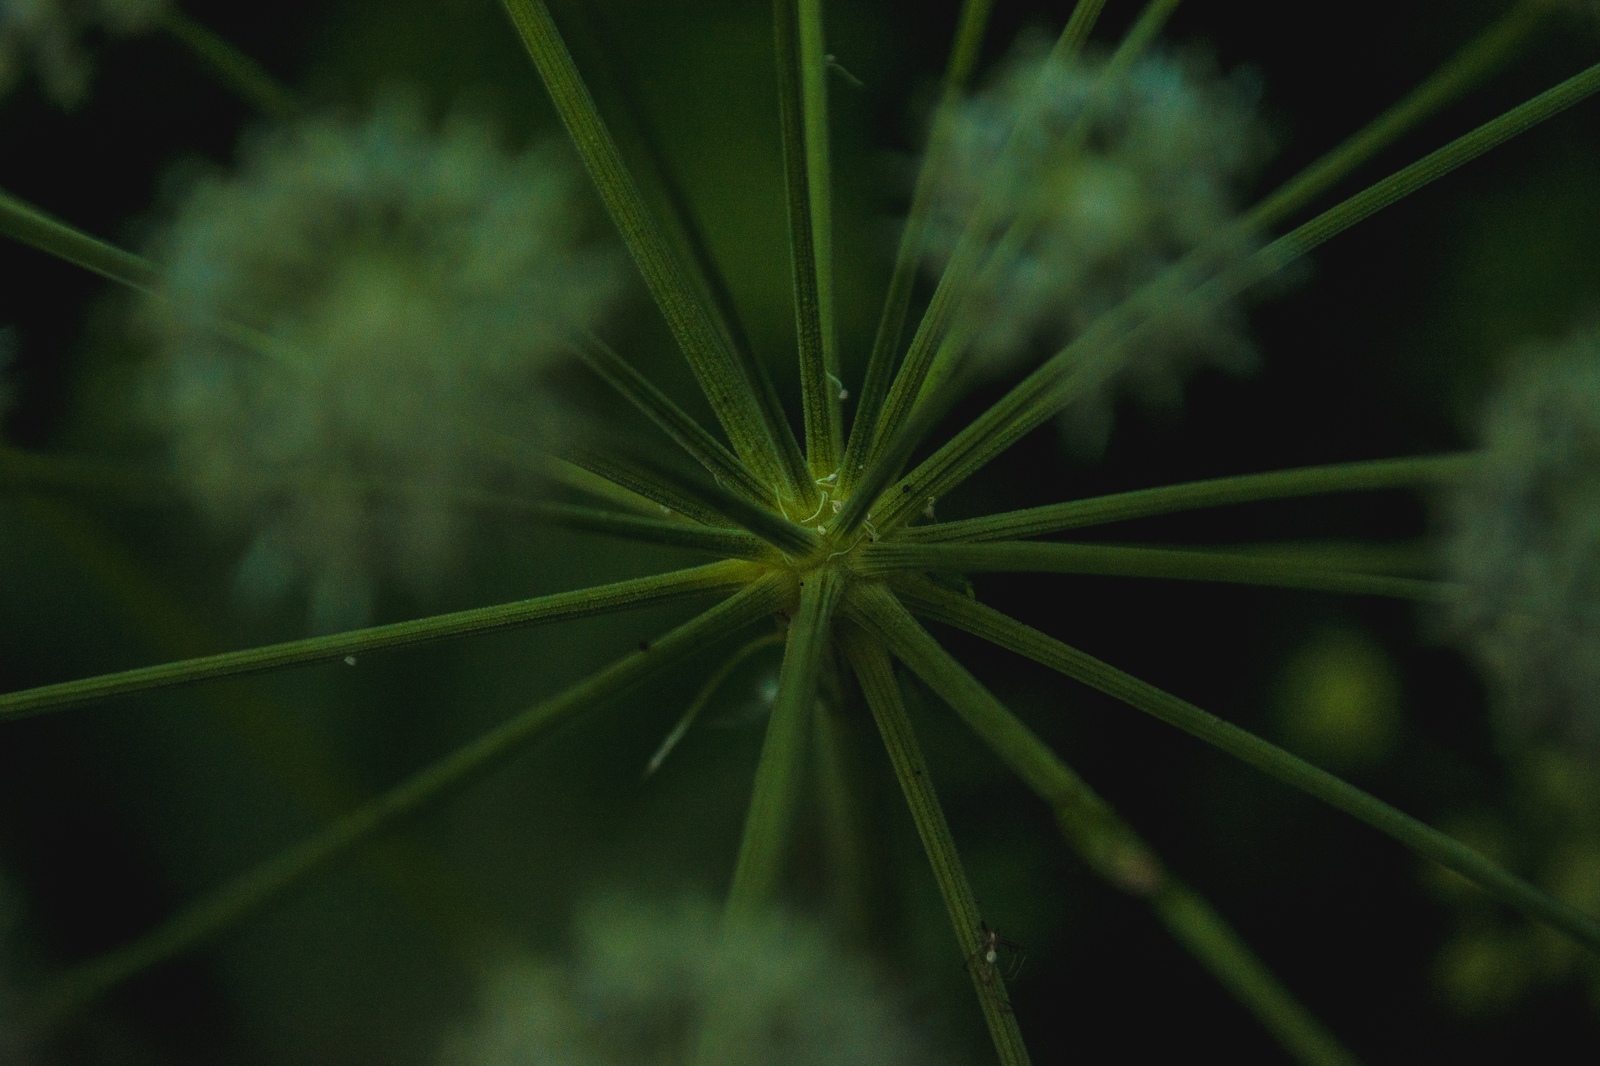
(820, 528)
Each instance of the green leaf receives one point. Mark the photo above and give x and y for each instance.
(560, 607)
(468, 764)
(882, 689)
(1426, 841)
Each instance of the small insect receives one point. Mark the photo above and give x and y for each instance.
(996, 956)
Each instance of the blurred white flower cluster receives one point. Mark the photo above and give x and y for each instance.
(663, 985)
(1082, 182)
(47, 36)
(410, 286)
(1523, 540)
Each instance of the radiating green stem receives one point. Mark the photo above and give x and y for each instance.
(1088, 361)
(1108, 844)
(300, 757)
(803, 114)
(1000, 629)
(882, 689)
(891, 324)
(1421, 472)
(844, 837)
(723, 543)
(705, 344)
(1115, 560)
(1430, 168)
(706, 450)
(1216, 946)
(470, 763)
(562, 606)
(718, 678)
(704, 501)
(772, 798)
(237, 70)
(23, 222)
(1468, 68)
(940, 343)
(641, 146)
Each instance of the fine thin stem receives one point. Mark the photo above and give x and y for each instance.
(1420, 472)
(778, 774)
(803, 122)
(704, 501)
(891, 323)
(941, 340)
(705, 344)
(560, 607)
(293, 752)
(1111, 847)
(234, 68)
(23, 222)
(718, 678)
(1426, 841)
(659, 408)
(1116, 560)
(1196, 925)
(1087, 361)
(619, 97)
(876, 674)
(1468, 68)
(723, 543)
(466, 765)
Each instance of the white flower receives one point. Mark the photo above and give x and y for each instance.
(47, 35)
(657, 985)
(1086, 185)
(415, 285)
(1524, 543)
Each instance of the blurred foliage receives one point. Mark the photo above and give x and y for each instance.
(112, 817)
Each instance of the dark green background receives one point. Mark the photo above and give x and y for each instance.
(112, 817)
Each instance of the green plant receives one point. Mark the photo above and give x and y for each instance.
(822, 529)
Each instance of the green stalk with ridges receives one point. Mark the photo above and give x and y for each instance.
(704, 343)
(1426, 841)
(583, 603)
(777, 784)
(897, 301)
(1116, 560)
(1108, 844)
(1421, 472)
(254, 890)
(1087, 361)
(876, 674)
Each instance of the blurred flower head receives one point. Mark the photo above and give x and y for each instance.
(1082, 181)
(665, 984)
(355, 325)
(1523, 540)
(47, 36)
